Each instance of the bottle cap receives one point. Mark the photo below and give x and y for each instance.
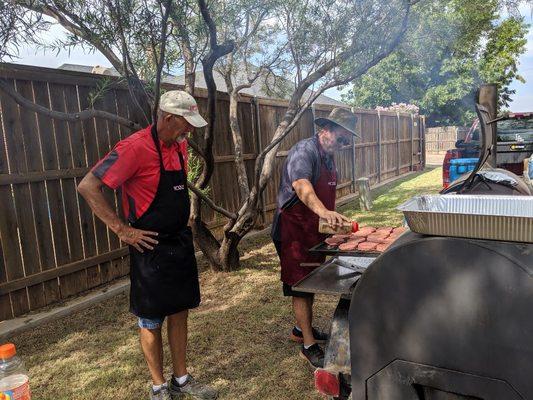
(355, 226)
(7, 350)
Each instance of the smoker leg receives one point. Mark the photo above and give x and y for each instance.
(337, 357)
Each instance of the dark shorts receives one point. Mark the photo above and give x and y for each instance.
(287, 289)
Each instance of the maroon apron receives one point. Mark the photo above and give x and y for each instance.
(299, 229)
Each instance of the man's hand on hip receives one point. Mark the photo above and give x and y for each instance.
(137, 238)
(333, 217)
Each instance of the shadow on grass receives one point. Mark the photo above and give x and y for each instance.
(238, 341)
(238, 336)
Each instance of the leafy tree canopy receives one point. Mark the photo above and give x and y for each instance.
(451, 48)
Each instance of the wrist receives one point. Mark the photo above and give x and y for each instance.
(322, 212)
(118, 227)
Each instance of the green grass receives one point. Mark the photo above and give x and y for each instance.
(388, 197)
(238, 338)
(238, 341)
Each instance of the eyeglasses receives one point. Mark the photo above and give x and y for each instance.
(343, 140)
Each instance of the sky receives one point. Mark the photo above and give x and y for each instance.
(522, 100)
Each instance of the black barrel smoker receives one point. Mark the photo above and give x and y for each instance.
(450, 318)
(436, 317)
(444, 318)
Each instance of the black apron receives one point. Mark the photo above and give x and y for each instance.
(164, 280)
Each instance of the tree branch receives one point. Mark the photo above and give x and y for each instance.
(73, 23)
(77, 29)
(130, 72)
(70, 117)
(188, 55)
(196, 147)
(250, 33)
(216, 51)
(210, 202)
(161, 61)
(209, 22)
(295, 110)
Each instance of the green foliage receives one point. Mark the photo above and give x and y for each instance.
(17, 29)
(451, 48)
(498, 64)
(102, 86)
(194, 165)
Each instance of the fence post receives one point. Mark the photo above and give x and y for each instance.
(353, 156)
(422, 136)
(365, 196)
(412, 140)
(379, 146)
(398, 157)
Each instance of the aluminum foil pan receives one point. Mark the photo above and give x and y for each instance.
(507, 218)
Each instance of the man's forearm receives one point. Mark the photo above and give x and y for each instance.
(91, 190)
(305, 192)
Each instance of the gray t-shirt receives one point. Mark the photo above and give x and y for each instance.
(303, 162)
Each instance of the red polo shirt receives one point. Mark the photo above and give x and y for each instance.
(133, 165)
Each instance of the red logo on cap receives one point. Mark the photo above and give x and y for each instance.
(193, 108)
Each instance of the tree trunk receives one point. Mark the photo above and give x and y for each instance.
(250, 209)
(190, 73)
(242, 177)
(228, 254)
(190, 77)
(205, 241)
(203, 237)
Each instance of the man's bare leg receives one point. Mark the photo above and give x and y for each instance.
(152, 347)
(177, 339)
(310, 301)
(303, 312)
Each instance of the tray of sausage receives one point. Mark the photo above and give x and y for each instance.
(367, 241)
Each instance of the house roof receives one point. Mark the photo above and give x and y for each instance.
(78, 68)
(259, 88)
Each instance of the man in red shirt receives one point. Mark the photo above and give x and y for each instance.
(151, 168)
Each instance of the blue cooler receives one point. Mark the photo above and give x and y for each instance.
(461, 166)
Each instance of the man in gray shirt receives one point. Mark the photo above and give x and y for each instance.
(306, 193)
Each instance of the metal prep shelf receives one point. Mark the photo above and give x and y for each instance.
(336, 276)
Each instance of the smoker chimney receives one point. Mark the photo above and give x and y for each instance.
(488, 97)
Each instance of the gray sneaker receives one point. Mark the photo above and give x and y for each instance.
(193, 388)
(161, 394)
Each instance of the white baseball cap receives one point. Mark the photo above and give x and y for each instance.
(181, 103)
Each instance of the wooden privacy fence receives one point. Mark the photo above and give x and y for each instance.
(52, 246)
(442, 138)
